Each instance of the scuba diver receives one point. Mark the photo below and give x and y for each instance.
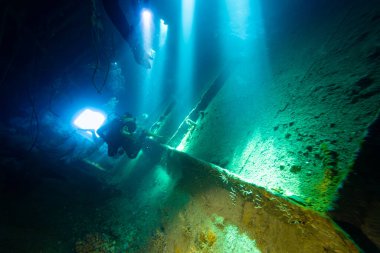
(121, 132)
(127, 31)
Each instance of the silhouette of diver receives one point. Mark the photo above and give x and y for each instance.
(127, 31)
(121, 132)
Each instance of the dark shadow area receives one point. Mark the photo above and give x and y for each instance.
(358, 236)
(46, 206)
(357, 209)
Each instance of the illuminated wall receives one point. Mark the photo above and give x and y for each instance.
(292, 115)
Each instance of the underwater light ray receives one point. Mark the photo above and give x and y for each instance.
(163, 32)
(147, 23)
(147, 16)
(187, 17)
(239, 12)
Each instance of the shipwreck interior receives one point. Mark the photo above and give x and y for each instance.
(263, 115)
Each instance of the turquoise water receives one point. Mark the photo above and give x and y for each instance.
(278, 95)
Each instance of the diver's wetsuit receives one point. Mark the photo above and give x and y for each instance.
(112, 133)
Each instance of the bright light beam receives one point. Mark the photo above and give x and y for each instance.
(89, 119)
(239, 13)
(147, 15)
(163, 32)
(187, 18)
(186, 54)
(147, 22)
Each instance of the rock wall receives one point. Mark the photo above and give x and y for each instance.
(294, 112)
